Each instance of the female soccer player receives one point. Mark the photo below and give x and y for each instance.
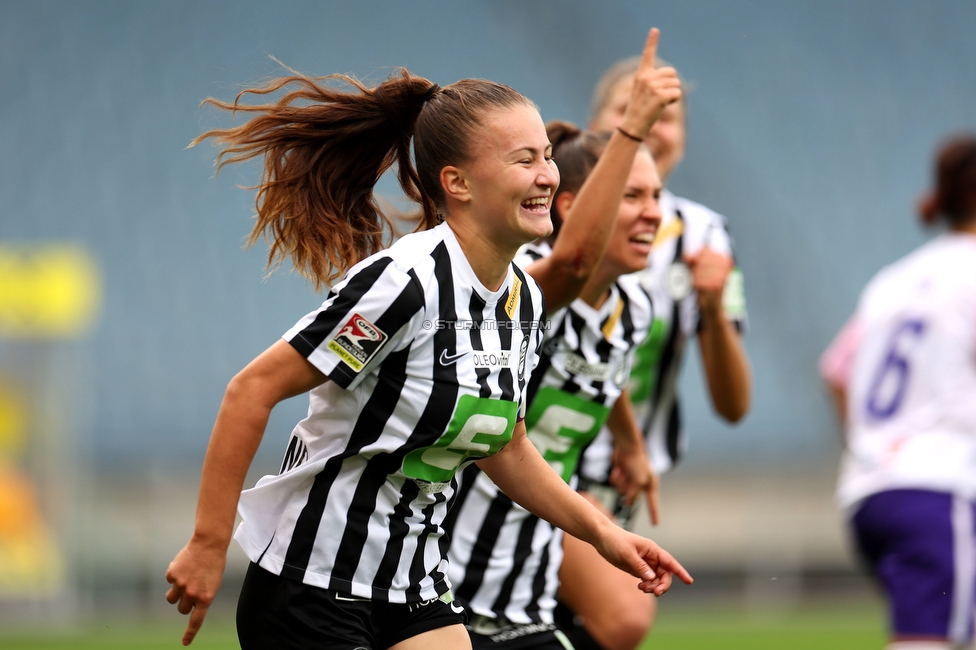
(903, 371)
(346, 541)
(504, 560)
(697, 290)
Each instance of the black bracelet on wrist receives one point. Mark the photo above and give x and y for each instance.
(630, 135)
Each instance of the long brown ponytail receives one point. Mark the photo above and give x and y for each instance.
(324, 150)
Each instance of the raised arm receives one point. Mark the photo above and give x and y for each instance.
(549, 497)
(590, 217)
(278, 373)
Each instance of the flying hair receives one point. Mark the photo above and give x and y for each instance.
(326, 142)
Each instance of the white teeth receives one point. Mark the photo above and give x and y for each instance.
(539, 201)
(646, 238)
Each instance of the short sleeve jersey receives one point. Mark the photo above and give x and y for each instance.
(504, 561)
(911, 391)
(427, 371)
(686, 228)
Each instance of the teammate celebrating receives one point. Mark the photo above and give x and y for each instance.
(346, 541)
(697, 290)
(504, 560)
(903, 371)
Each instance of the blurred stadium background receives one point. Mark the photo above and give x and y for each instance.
(127, 302)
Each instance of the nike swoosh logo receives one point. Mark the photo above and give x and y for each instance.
(446, 360)
(456, 609)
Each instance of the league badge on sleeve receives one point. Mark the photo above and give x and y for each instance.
(357, 342)
(680, 281)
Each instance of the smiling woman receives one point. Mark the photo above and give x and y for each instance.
(346, 541)
(504, 559)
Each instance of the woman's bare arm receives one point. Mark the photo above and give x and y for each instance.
(522, 474)
(587, 224)
(278, 373)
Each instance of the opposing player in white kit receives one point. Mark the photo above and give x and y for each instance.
(903, 371)
(697, 291)
(408, 381)
(504, 561)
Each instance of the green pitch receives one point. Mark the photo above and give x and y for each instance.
(217, 634)
(838, 627)
(842, 626)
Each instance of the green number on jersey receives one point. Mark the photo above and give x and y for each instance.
(479, 428)
(560, 425)
(646, 357)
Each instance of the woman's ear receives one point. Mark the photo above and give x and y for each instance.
(455, 184)
(564, 201)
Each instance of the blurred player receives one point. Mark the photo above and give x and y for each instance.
(697, 290)
(504, 560)
(346, 541)
(903, 372)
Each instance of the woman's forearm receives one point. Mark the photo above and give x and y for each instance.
(586, 228)
(546, 495)
(726, 365)
(235, 439)
(521, 473)
(585, 233)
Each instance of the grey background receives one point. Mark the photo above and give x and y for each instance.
(811, 126)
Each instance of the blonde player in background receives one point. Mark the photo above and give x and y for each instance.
(697, 291)
(903, 375)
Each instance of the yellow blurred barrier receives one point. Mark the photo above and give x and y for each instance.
(31, 563)
(47, 291)
(13, 422)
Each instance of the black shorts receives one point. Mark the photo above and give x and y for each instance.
(279, 613)
(492, 634)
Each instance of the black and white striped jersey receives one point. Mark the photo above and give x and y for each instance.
(504, 561)
(428, 370)
(686, 227)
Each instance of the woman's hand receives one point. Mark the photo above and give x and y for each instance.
(549, 497)
(631, 475)
(642, 558)
(709, 271)
(276, 374)
(654, 88)
(195, 573)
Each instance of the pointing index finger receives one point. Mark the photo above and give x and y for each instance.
(650, 48)
(196, 621)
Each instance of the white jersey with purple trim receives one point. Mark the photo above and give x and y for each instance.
(911, 397)
(427, 371)
(686, 228)
(504, 561)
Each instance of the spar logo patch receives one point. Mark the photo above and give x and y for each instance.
(357, 342)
